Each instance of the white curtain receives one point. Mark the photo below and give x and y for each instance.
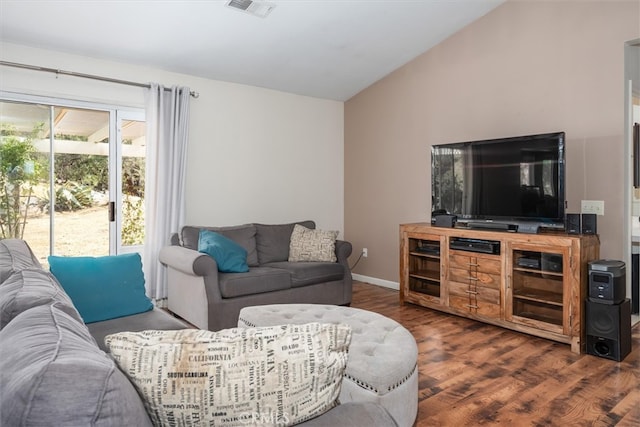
(167, 117)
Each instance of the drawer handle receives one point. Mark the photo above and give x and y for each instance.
(472, 306)
(475, 279)
(471, 292)
(473, 265)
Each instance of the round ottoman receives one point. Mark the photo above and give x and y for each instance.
(383, 355)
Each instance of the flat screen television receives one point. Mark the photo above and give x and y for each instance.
(501, 182)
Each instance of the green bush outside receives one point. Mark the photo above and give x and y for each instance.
(77, 177)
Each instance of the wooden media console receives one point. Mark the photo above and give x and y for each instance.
(532, 283)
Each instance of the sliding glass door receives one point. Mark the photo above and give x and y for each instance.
(72, 176)
(131, 139)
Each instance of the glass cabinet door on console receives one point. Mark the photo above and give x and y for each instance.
(538, 290)
(424, 267)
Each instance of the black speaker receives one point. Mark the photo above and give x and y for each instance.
(589, 224)
(572, 223)
(607, 281)
(609, 329)
(448, 221)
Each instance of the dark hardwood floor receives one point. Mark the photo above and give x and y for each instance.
(472, 374)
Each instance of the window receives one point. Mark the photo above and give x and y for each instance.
(72, 176)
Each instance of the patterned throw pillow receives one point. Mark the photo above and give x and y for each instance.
(312, 245)
(277, 375)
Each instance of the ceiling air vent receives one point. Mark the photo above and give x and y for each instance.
(252, 7)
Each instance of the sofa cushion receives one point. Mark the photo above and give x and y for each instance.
(310, 273)
(157, 319)
(15, 255)
(103, 288)
(280, 375)
(30, 288)
(256, 281)
(244, 235)
(312, 245)
(272, 241)
(52, 373)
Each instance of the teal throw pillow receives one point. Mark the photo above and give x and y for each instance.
(103, 288)
(230, 256)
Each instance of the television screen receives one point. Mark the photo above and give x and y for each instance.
(508, 179)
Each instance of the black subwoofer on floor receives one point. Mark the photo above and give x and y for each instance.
(609, 329)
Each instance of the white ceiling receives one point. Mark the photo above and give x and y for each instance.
(322, 48)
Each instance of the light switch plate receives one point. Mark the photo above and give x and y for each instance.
(592, 207)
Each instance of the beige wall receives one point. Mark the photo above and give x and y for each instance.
(526, 67)
(255, 155)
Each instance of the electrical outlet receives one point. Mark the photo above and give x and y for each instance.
(592, 207)
(365, 252)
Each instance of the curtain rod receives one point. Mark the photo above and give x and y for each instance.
(83, 75)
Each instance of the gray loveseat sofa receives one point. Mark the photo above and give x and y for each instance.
(212, 300)
(53, 367)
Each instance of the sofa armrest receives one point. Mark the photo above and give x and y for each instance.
(192, 283)
(190, 264)
(343, 251)
(188, 261)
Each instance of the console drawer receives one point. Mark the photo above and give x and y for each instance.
(479, 293)
(476, 263)
(470, 305)
(474, 277)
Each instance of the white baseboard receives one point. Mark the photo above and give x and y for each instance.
(379, 282)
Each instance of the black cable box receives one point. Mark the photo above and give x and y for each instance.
(429, 249)
(533, 263)
(475, 245)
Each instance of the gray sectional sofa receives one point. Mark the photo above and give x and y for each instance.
(212, 300)
(53, 370)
